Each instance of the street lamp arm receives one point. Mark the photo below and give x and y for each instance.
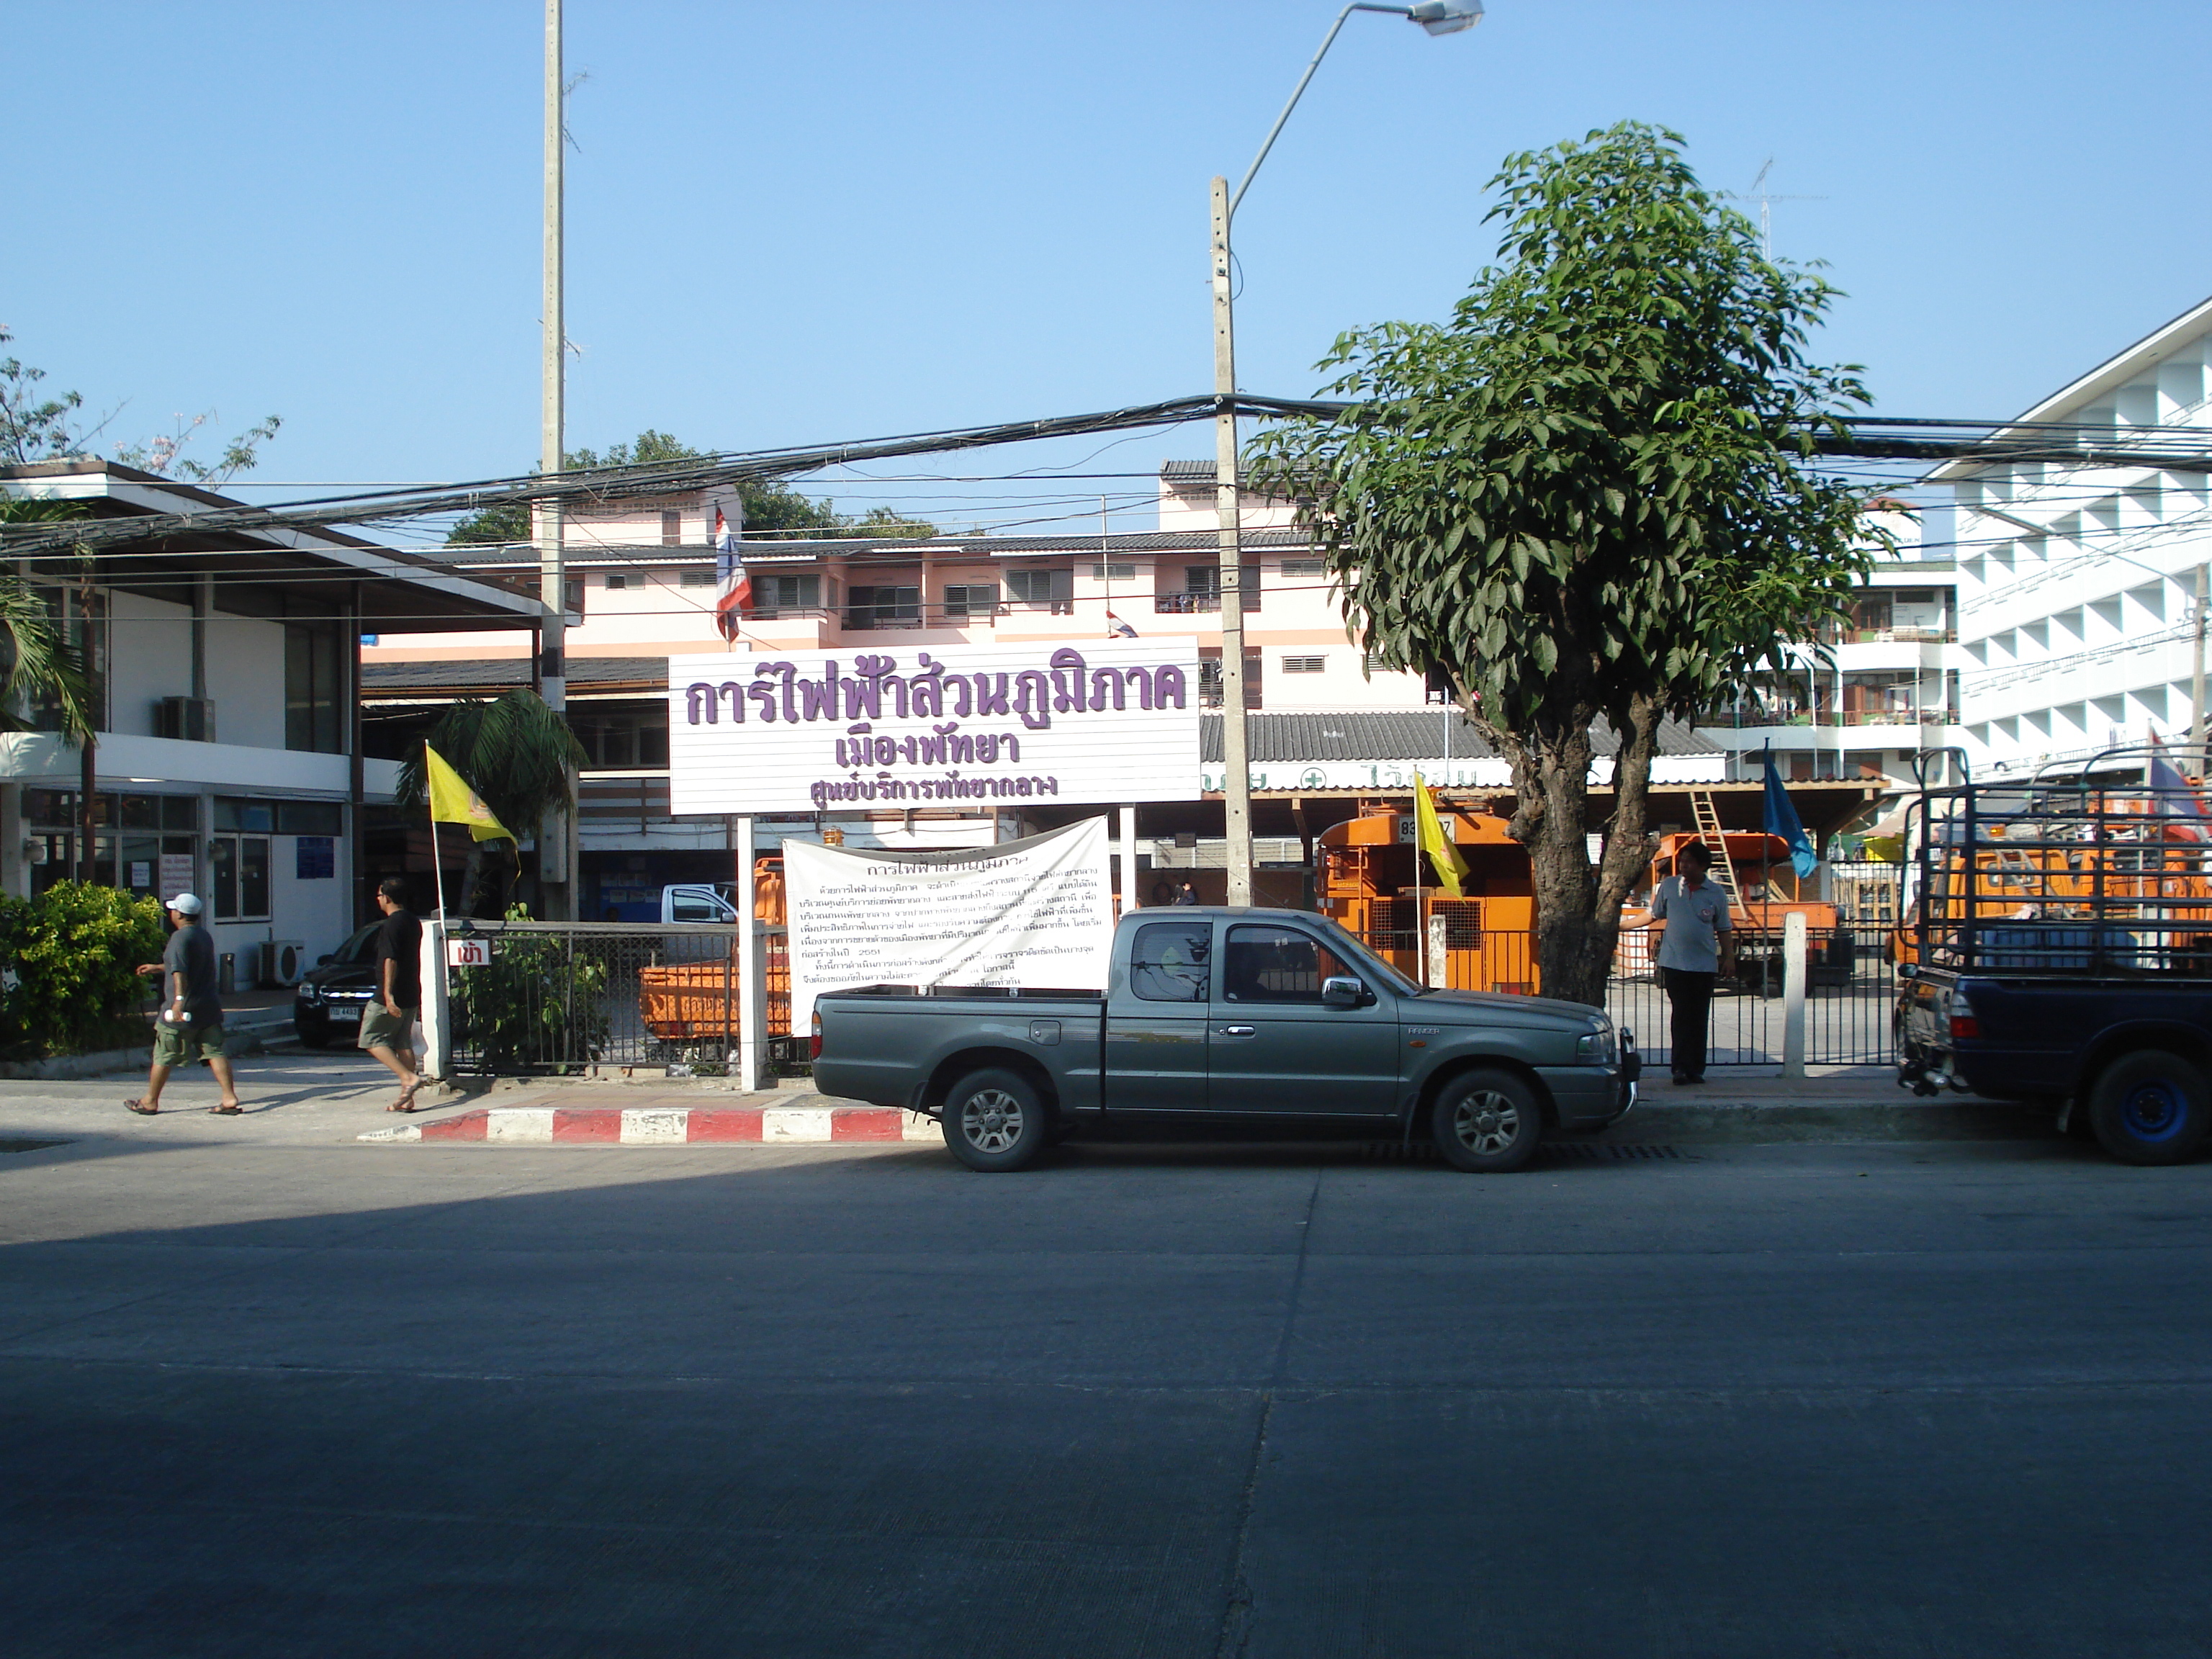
(1431, 17)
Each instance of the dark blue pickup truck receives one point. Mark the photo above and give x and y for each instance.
(1267, 1018)
(2057, 949)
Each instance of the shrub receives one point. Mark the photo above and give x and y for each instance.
(536, 1004)
(73, 950)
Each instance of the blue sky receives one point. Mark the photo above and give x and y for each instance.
(794, 222)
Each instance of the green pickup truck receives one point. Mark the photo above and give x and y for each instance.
(1273, 1018)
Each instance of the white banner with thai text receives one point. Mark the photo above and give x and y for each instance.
(968, 727)
(1033, 914)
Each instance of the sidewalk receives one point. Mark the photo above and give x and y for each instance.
(337, 1097)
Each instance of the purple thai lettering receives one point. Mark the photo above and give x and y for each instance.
(1033, 701)
(1142, 679)
(1167, 686)
(954, 747)
(699, 699)
(1013, 745)
(1067, 681)
(988, 701)
(736, 694)
(1107, 683)
(886, 750)
(1021, 785)
(909, 750)
(928, 690)
(878, 675)
(817, 699)
(987, 748)
(763, 691)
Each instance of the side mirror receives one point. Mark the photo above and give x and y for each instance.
(1342, 993)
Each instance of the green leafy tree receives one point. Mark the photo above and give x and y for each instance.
(1588, 496)
(772, 507)
(33, 426)
(540, 1002)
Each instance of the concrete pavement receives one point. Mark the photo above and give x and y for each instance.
(302, 1395)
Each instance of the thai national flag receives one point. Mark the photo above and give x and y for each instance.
(736, 596)
(1118, 629)
(2178, 803)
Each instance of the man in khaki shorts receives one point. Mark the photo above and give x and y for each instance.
(191, 1023)
(387, 1024)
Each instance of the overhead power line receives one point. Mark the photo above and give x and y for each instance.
(2178, 449)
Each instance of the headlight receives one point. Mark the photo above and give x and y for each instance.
(1598, 1048)
(310, 994)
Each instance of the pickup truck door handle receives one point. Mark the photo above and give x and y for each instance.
(1238, 1030)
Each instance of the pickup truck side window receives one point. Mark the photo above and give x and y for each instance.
(1277, 964)
(1168, 961)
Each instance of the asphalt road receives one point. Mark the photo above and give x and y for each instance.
(333, 1399)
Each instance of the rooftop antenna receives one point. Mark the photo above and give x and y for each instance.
(1764, 198)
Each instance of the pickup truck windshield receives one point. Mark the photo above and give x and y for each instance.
(1375, 970)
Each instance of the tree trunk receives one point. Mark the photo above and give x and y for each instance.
(1578, 902)
(88, 775)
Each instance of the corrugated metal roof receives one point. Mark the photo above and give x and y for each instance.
(453, 674)
(1393, 735)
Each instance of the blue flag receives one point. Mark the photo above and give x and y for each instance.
(1782, 820)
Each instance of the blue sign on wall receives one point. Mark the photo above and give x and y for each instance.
(316, 858)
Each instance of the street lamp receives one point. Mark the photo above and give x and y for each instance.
(1236, 784)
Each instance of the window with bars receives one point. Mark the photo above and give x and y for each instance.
(1043, 590)
(1209, 680)
(697, 578)
(671, 529)
(1108, 571)
(882, 606)
(1305, 664)
(1304, 568)
(773, 595)
(617, 579)
(971, 601)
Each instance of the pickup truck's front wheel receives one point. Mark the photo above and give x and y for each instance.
(2150, 1107)
(1488, 1122)
(992, 1120)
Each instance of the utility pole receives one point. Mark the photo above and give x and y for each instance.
(2197, 673)
(555, 871)
(1236, 770)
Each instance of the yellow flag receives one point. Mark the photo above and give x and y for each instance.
(1449, 866)
(452, 801)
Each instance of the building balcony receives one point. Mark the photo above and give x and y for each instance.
(1751, 718)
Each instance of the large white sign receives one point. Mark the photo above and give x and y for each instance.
(1035, 913)
(962, 726)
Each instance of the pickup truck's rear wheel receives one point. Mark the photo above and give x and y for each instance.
(1488, 1122)
(992, 1120)
(2150, 1107)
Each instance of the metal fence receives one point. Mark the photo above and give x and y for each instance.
(567, 996)
(1849, 994)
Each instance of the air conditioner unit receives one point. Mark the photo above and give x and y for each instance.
(189, 717)
(282, 962)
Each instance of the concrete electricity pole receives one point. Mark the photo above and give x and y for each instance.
(2196, 675)
(555, 861)
(1438, 18)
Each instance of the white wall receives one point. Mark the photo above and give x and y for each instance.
(245, 677)
(150, 657)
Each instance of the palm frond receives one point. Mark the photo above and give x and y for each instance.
(512, 749)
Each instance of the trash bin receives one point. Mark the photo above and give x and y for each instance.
(227, 974)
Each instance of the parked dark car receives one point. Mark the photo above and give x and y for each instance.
(327, 1005)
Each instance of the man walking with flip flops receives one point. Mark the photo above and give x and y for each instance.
(388, 1023)
(190, 1024)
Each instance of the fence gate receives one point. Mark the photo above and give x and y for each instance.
(567, 996)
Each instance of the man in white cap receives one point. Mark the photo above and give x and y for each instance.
(190, 1024)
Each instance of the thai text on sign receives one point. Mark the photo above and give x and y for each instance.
(824, 730)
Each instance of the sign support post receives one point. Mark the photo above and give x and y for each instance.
(1128, 854)
(749, 961)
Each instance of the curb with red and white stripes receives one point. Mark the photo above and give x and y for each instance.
(668, 1126)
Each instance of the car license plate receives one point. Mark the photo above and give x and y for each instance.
(345, 1016)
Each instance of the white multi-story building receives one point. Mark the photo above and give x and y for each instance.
(1870, 695)
(2075, 581)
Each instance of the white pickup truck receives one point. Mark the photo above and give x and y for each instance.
(699, 901)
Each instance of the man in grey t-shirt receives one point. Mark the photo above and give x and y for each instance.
(1698, 946)
(190, 1025)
